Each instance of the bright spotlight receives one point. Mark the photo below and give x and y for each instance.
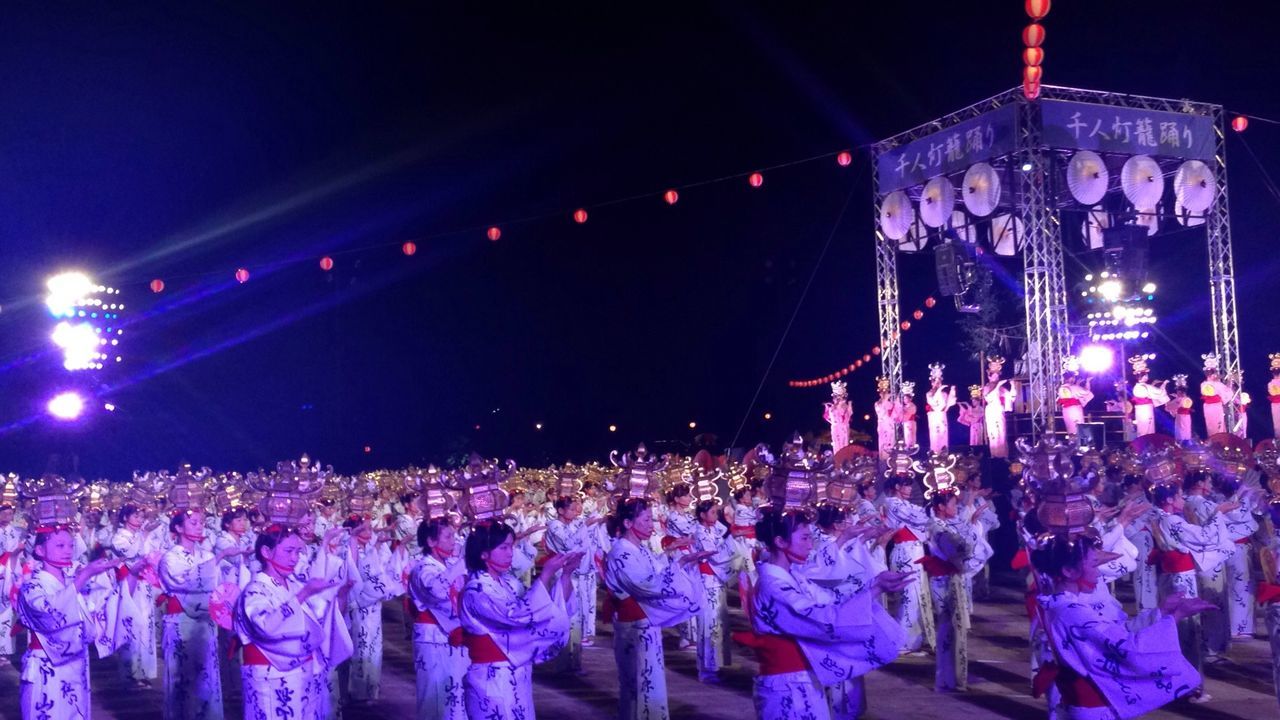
(1095, 359)
(66, 291)
(79, 344)
(1110, 289)
(1149, 288)
(66, 406)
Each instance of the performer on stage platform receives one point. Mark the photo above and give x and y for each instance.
(1215, 394)
(1273, 394)
(1179, 406)
(907, 414)
(888, 415)
(647, 592)
(1073, 395)
(838, 412)
(937, 402)
(998, 399)
(1241, 428)
(1146, 396)
(972, 415)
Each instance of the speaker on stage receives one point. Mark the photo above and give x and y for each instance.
(947, 259)
(1092, 435)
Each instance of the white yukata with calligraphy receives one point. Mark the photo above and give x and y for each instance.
(936, 404)
(1072, 399)
(376, 581)
(192, 683)
(434, 587)
(911, 606)
(841, 632)
(1146, 396)
(649, 592)
(1242, 523)
(523, 626)
(681, 524)
(888, 415)
(10, 576)
(1212, 579)
(135, 627)
(960, 550)
(998, 400)
(1184, 549)
(1134, 664)
(288, 646)
(1145, 574)
(1215, 395)
(563, 538)
(712, 623)
(63, 623)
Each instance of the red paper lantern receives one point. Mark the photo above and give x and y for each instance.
(858, 363)
(845, 158)
(242, 275)
(906, 324)
(671, 196)
(866, 358)
(1239, 123)
(579, 216)
(409, 248)
(1033, 56)
(918, 314)
(756, 179)
(157, 286)
(1033, 35)
(1032, 91)
(930, 302)
(493, 233)
(875, 350)
(326, 263)
(1037, 9)
(1032, 74)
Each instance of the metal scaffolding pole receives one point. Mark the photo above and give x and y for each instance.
(1222, 280)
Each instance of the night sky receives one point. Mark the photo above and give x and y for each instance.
(183, 140)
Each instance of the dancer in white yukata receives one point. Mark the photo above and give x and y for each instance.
(292, 631)
(837, 412)
(911, 605)
(189, 574)
(1073, 395)
(937, 401)
(907, 414)
(1215, 395)
(1201, 510)
(677, 541)
(973, 416)
(888, 415)
(957, 552)
(434, 586)
(11, 537)
(1179, 406)
(712, 623)
(1273, 393)
(997, 398)
(369, 566)
(570, 533)
(1242, 523)
(134, 546)
(1146, 396)
(806, 636)
(648, 592)
(506, 627)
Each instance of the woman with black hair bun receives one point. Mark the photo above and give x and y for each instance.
(808, 636)
(711, 624)
(506, 628)
(647, 592)
(1106, 665)
(677, 540)
(957, 552)
(435, 582)
(1242, 524)
(1183, 548)
(911, 605)
(570, 533)
(138, 556)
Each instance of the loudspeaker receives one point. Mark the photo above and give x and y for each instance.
(1092, 435)
(947, 260)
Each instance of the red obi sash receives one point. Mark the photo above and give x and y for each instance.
(1275, 399)
(172, 606)
(629, 610)
(1184, 411)
(1211, 399)
(1021, 559)
(1267, 593)
(705, 568)
(253, 656)
(746, 531)
(483, 649)
(777, 654)
(425, 617)
(937, 567)
(33, 640)
(904, 535)
(1171, 561)
(1244, 541)
(1141, 401)
(1069, 402)
(1077, 690)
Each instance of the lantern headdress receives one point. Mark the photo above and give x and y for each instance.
(432, 490)
(289, 491)
(795, 476)
(1275, 361)
(186, 490)
(1180, 381)
(975, 392)
(901, 460)
(50, 501)
(1139, 365)
(1061, 505)
(481, 482)
(1211, 364)
(908, 388)
(935, 371)
(9, 492)
(939, 474)
(1071, 365)
(995, 364)
(1161, 467)
(839, 390)
(882, 384)
(361, 493)
(228, 491)
(638, 473)
(846, 481)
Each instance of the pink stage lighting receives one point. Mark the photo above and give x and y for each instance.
(1095, 359)
(66, 406)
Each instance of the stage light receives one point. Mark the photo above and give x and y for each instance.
(537, 426)
(1026, 167)
(67, 291)
(1149, 288)
(66, 406)
(1095, 359)
(1111, 289)
(109, 407)
(613, 428)
(79, 345)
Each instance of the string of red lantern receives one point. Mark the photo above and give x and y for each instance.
(857, 364)
(1033, 53)
(755, 179)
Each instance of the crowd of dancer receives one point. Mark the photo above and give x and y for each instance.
(285, 575)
